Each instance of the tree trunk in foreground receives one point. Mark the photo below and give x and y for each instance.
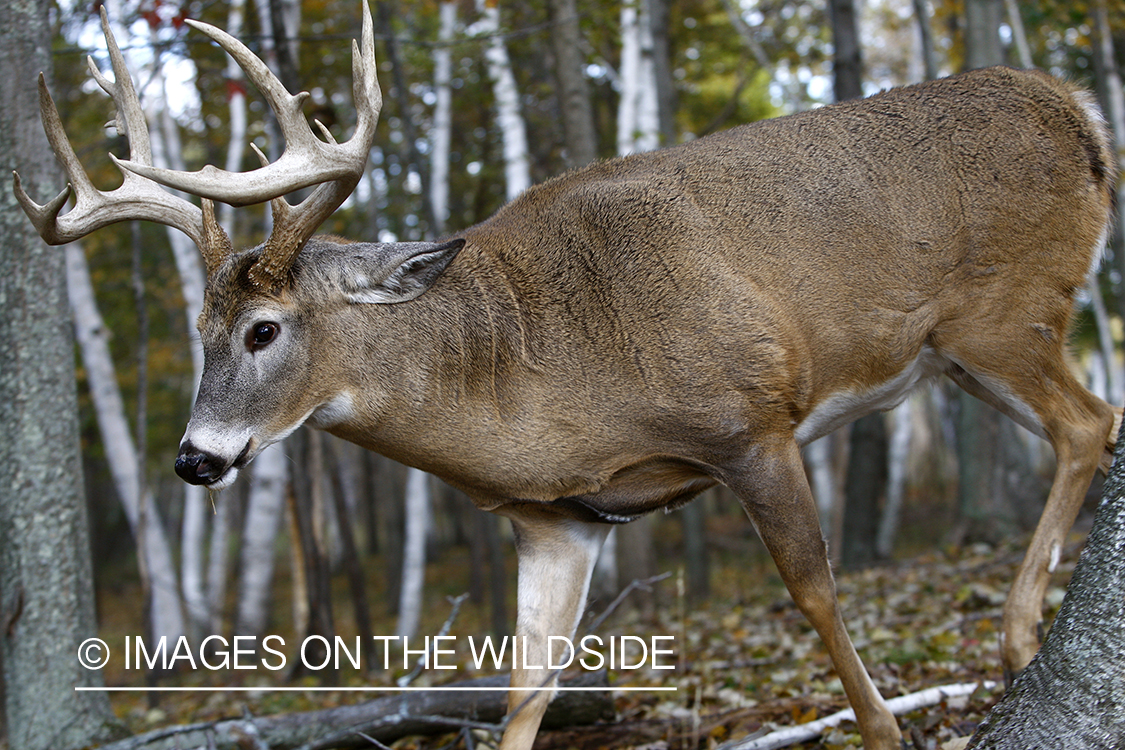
(46, 583)
(1072, 695)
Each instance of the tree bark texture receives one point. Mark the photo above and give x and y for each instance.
(1072, 695)
(46, 583)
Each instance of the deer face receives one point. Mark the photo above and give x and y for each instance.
(276, 359)
(256, 365)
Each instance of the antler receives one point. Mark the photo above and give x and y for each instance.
(335, 167)
(136, 198)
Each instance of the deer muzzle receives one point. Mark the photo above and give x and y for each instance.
(200, 467)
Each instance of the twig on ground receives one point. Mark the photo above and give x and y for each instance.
(900, 705)
(456, 601)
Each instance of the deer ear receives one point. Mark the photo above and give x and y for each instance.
(395, 272)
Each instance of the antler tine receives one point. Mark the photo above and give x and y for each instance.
(93, 208)
(307, 160)
(294, 225)
(124, 95)
(335, 168)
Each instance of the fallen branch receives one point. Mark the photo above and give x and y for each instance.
(900, 705)
(385, 719)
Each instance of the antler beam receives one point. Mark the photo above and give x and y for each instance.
(136, 198)
(334, 167)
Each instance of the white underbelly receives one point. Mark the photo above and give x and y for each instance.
(847, 406)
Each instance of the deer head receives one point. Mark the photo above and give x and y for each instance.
(249, 339)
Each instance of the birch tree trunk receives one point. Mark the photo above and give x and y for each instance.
(822, 479)
(264, 511)
(1072, 695)
(442, 131)
(638, 112)
(46, 582)
(1113, 97)
(517, 169)
(167, 153)
(414, 553)
(1019, 36)
(236, 107)
(140, 510)
(926, 39)
(899, 453)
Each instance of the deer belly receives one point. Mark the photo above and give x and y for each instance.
(664, 483)
(846, 406)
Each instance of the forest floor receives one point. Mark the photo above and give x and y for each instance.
(745, 660)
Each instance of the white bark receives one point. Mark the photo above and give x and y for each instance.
(517, 170)
(264, 511)
(217, 565)
(167, 152)
(822, 478)
(901, 705)
(141, 512)
(604, 579)
(897, 455)
(443, 118)
(638, 114)
(414, 552)
(1114, 375)
(1019, 36)
(237, 108)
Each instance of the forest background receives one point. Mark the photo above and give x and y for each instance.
(482, 100)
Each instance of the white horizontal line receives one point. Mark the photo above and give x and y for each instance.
(347, 689)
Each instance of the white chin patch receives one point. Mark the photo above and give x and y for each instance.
(226, 480)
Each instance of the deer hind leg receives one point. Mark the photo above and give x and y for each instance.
(556, 558)
(773, 490)
(1044, 397)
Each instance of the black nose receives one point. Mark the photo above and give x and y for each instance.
(197, 467)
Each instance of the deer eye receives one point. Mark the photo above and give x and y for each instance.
(261, 334)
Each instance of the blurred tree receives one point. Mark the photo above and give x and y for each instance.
(982, 33)
(573, 91)
(157, 566)
(847, 57)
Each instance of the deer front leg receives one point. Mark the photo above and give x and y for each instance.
(556, 558)
(772, 488)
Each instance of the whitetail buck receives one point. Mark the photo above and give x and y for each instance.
(621, 338)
